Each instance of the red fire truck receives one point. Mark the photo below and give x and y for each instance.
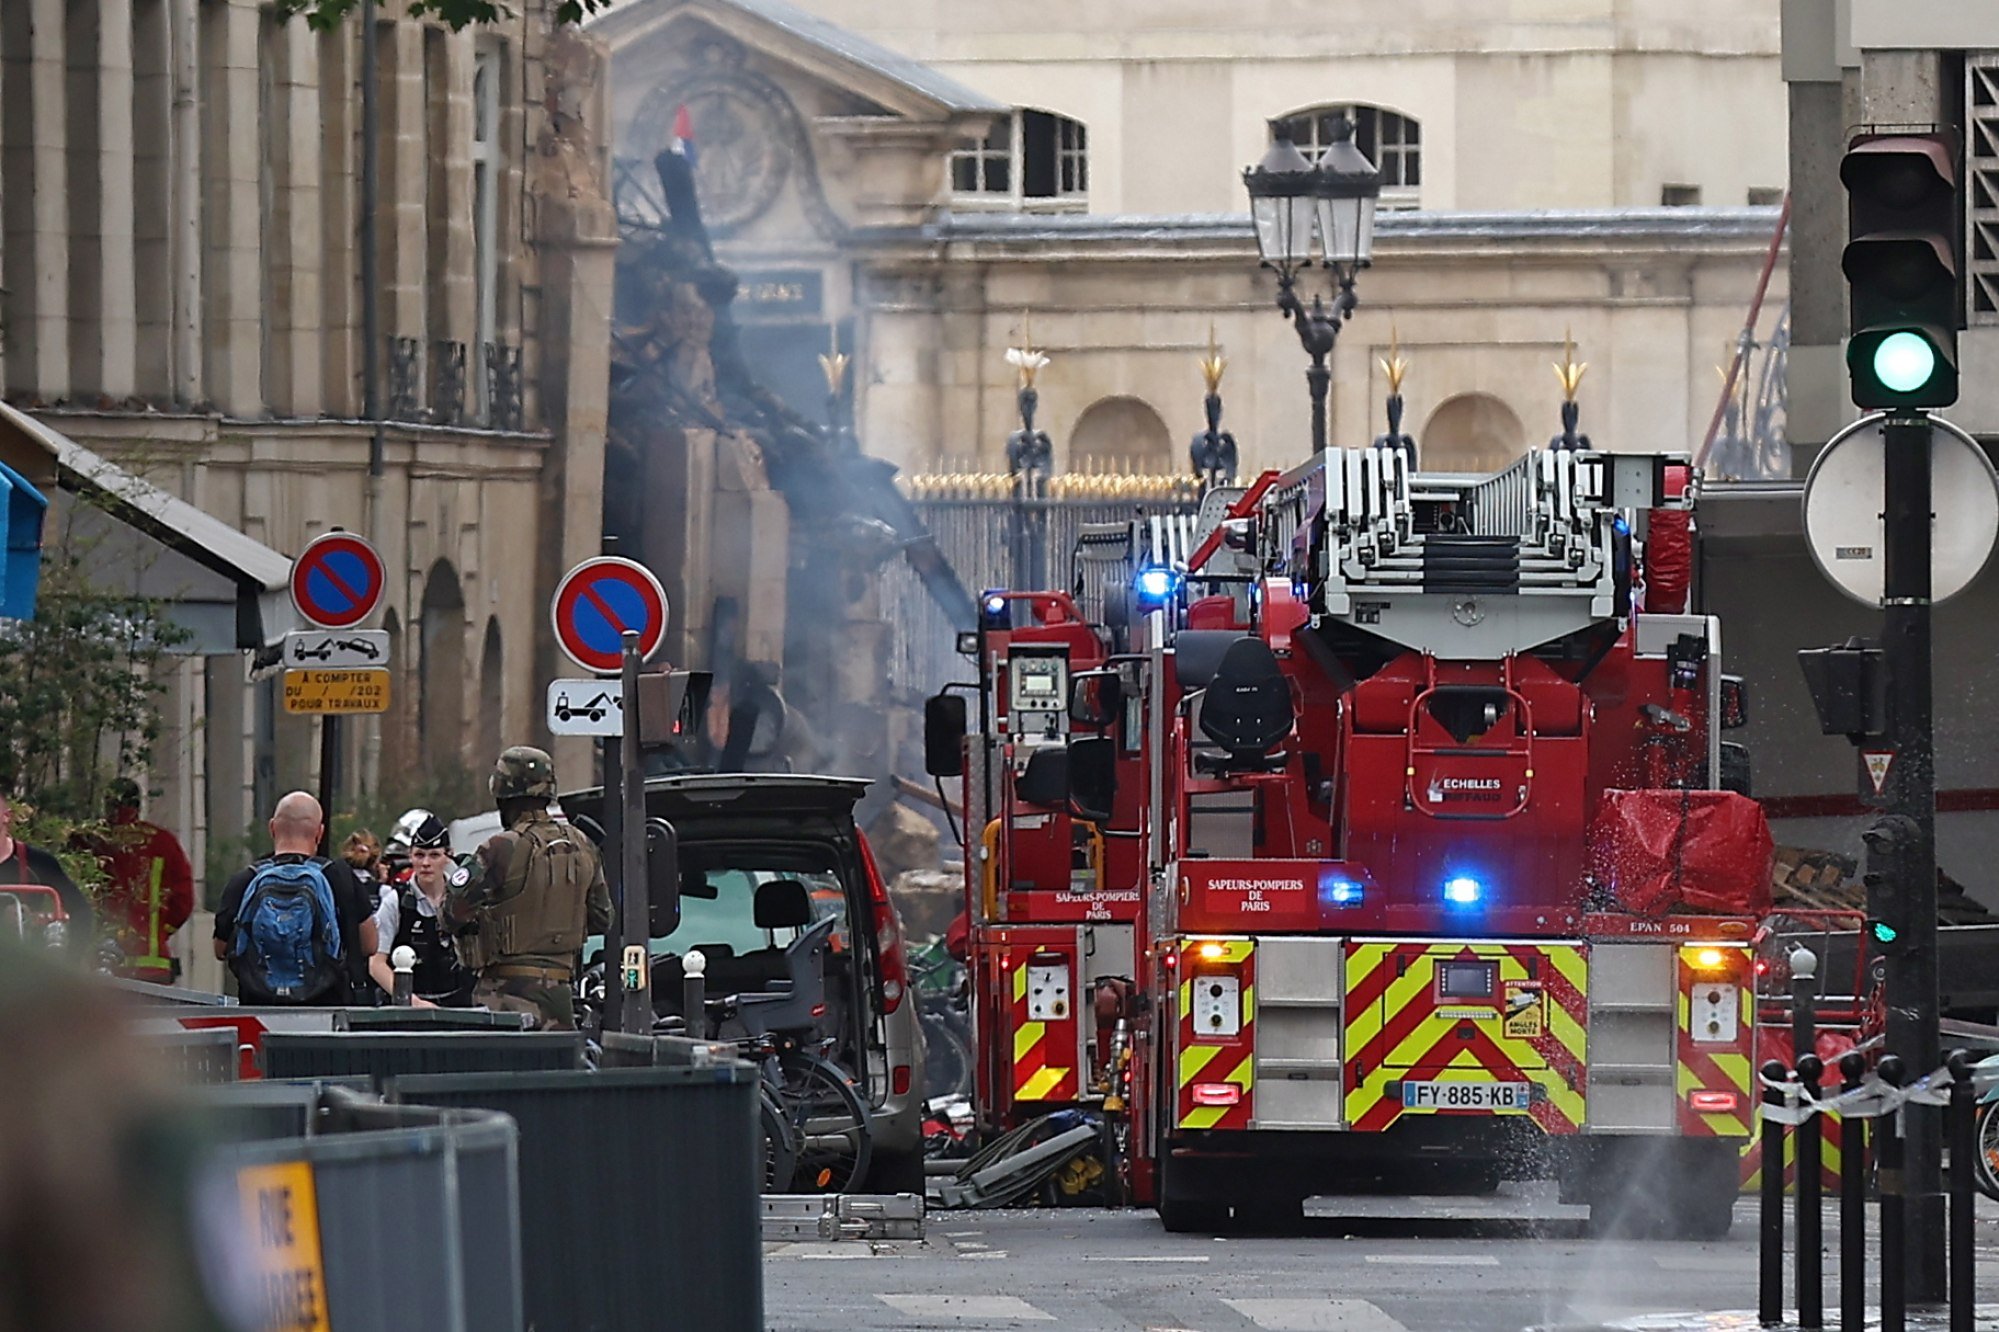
(1368, 828)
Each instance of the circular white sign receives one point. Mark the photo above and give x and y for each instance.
(1844, 503)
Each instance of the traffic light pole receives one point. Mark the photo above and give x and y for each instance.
(1910, 970)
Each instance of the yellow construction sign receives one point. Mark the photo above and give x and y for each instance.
(346, 691)
(281, 1217)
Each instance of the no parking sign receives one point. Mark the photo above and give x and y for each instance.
(337, 580)
(599, 600)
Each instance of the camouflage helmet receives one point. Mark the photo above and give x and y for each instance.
(523, 771)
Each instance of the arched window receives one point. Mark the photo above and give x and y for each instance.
(1029, 157)
(1389, 139)
(441, 673)
(492, 694)
(1120, 430)
(1473, 432)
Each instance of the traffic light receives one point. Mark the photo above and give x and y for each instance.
(1890, 890)
(1901, 268)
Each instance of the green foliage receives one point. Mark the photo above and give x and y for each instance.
(79, 688)
(324, 15)
(65, 837)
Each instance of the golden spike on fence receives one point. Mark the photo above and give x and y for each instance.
(1214, 365)
(1394, 365)
(1569, 370)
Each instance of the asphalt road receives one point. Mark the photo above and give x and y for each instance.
(1357, 1265)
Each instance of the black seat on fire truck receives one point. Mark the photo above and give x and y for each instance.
(1246, 709)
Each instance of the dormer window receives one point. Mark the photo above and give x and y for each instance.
(1030, 159)
(1389, 139)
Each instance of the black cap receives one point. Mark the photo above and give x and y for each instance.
(431, 835)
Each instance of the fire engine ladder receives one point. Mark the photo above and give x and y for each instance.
(1534, 528)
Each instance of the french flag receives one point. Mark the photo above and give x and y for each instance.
(683, 136)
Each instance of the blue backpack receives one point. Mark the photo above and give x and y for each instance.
(287, 944)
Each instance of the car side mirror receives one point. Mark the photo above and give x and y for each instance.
(1095, 698)
(1734, 703)
(944, 735)
(662, 878)
(1093, 778)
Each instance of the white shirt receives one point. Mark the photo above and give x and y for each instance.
(389, 916)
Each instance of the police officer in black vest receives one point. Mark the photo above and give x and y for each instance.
(411, 918)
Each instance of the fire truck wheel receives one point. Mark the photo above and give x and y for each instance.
(896, 1172)
(1181, 1213)
(1700, 1202)
(1267, 1214)
(1183, 1216)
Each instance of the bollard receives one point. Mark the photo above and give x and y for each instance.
(1811, 1256)
(1963, 1134)
(1804, 1001)
(1888, 1174)
(1770, 1271)
(694, 993)
(403, 961)
(1852, 1202)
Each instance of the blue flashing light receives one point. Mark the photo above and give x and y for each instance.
(1342, 892)
(1463, 891)
(1622, 525)
(995, 603)
(1155, 586)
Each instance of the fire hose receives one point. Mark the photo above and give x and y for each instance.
(1012, 1166)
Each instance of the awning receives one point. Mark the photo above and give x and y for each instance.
(229, 591)
(21, 514)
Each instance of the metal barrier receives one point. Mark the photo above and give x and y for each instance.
(624, 1050)
(201, 1057)
(639, 1186)
(330, 1209)
(383, 1055)
(1791, 1103)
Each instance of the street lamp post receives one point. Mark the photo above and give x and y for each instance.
(1292, 202)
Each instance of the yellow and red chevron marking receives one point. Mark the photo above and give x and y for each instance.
(1716, 1065)
(1397, 1027)
(1208, 1061)
(1713, 1068)
(1036, 1077)
(1829, 1158)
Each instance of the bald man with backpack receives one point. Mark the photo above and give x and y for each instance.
(295, 928)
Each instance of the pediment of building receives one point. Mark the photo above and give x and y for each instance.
(796, 123)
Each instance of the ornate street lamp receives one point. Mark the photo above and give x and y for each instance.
(1293, 204)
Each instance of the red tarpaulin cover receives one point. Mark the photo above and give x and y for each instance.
(1706, 851)
(1669, 560)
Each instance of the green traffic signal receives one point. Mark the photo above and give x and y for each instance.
(1904, 362)
(1884, 933)
(1904, 212)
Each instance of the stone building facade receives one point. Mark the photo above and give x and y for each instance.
(180, 196)
(932, 184)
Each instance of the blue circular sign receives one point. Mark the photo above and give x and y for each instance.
(337, 580)
(598, 601)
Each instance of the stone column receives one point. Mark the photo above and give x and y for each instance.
(339, 119)
(151, 120)
(35, 310)
(402, 241)
(232, 209)
(294, 227)
(453, 288)
(575, 256)
(102, 286)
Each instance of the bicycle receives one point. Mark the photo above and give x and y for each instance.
(818, 1137)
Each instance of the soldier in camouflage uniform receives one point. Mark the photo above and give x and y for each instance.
(539, 890)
